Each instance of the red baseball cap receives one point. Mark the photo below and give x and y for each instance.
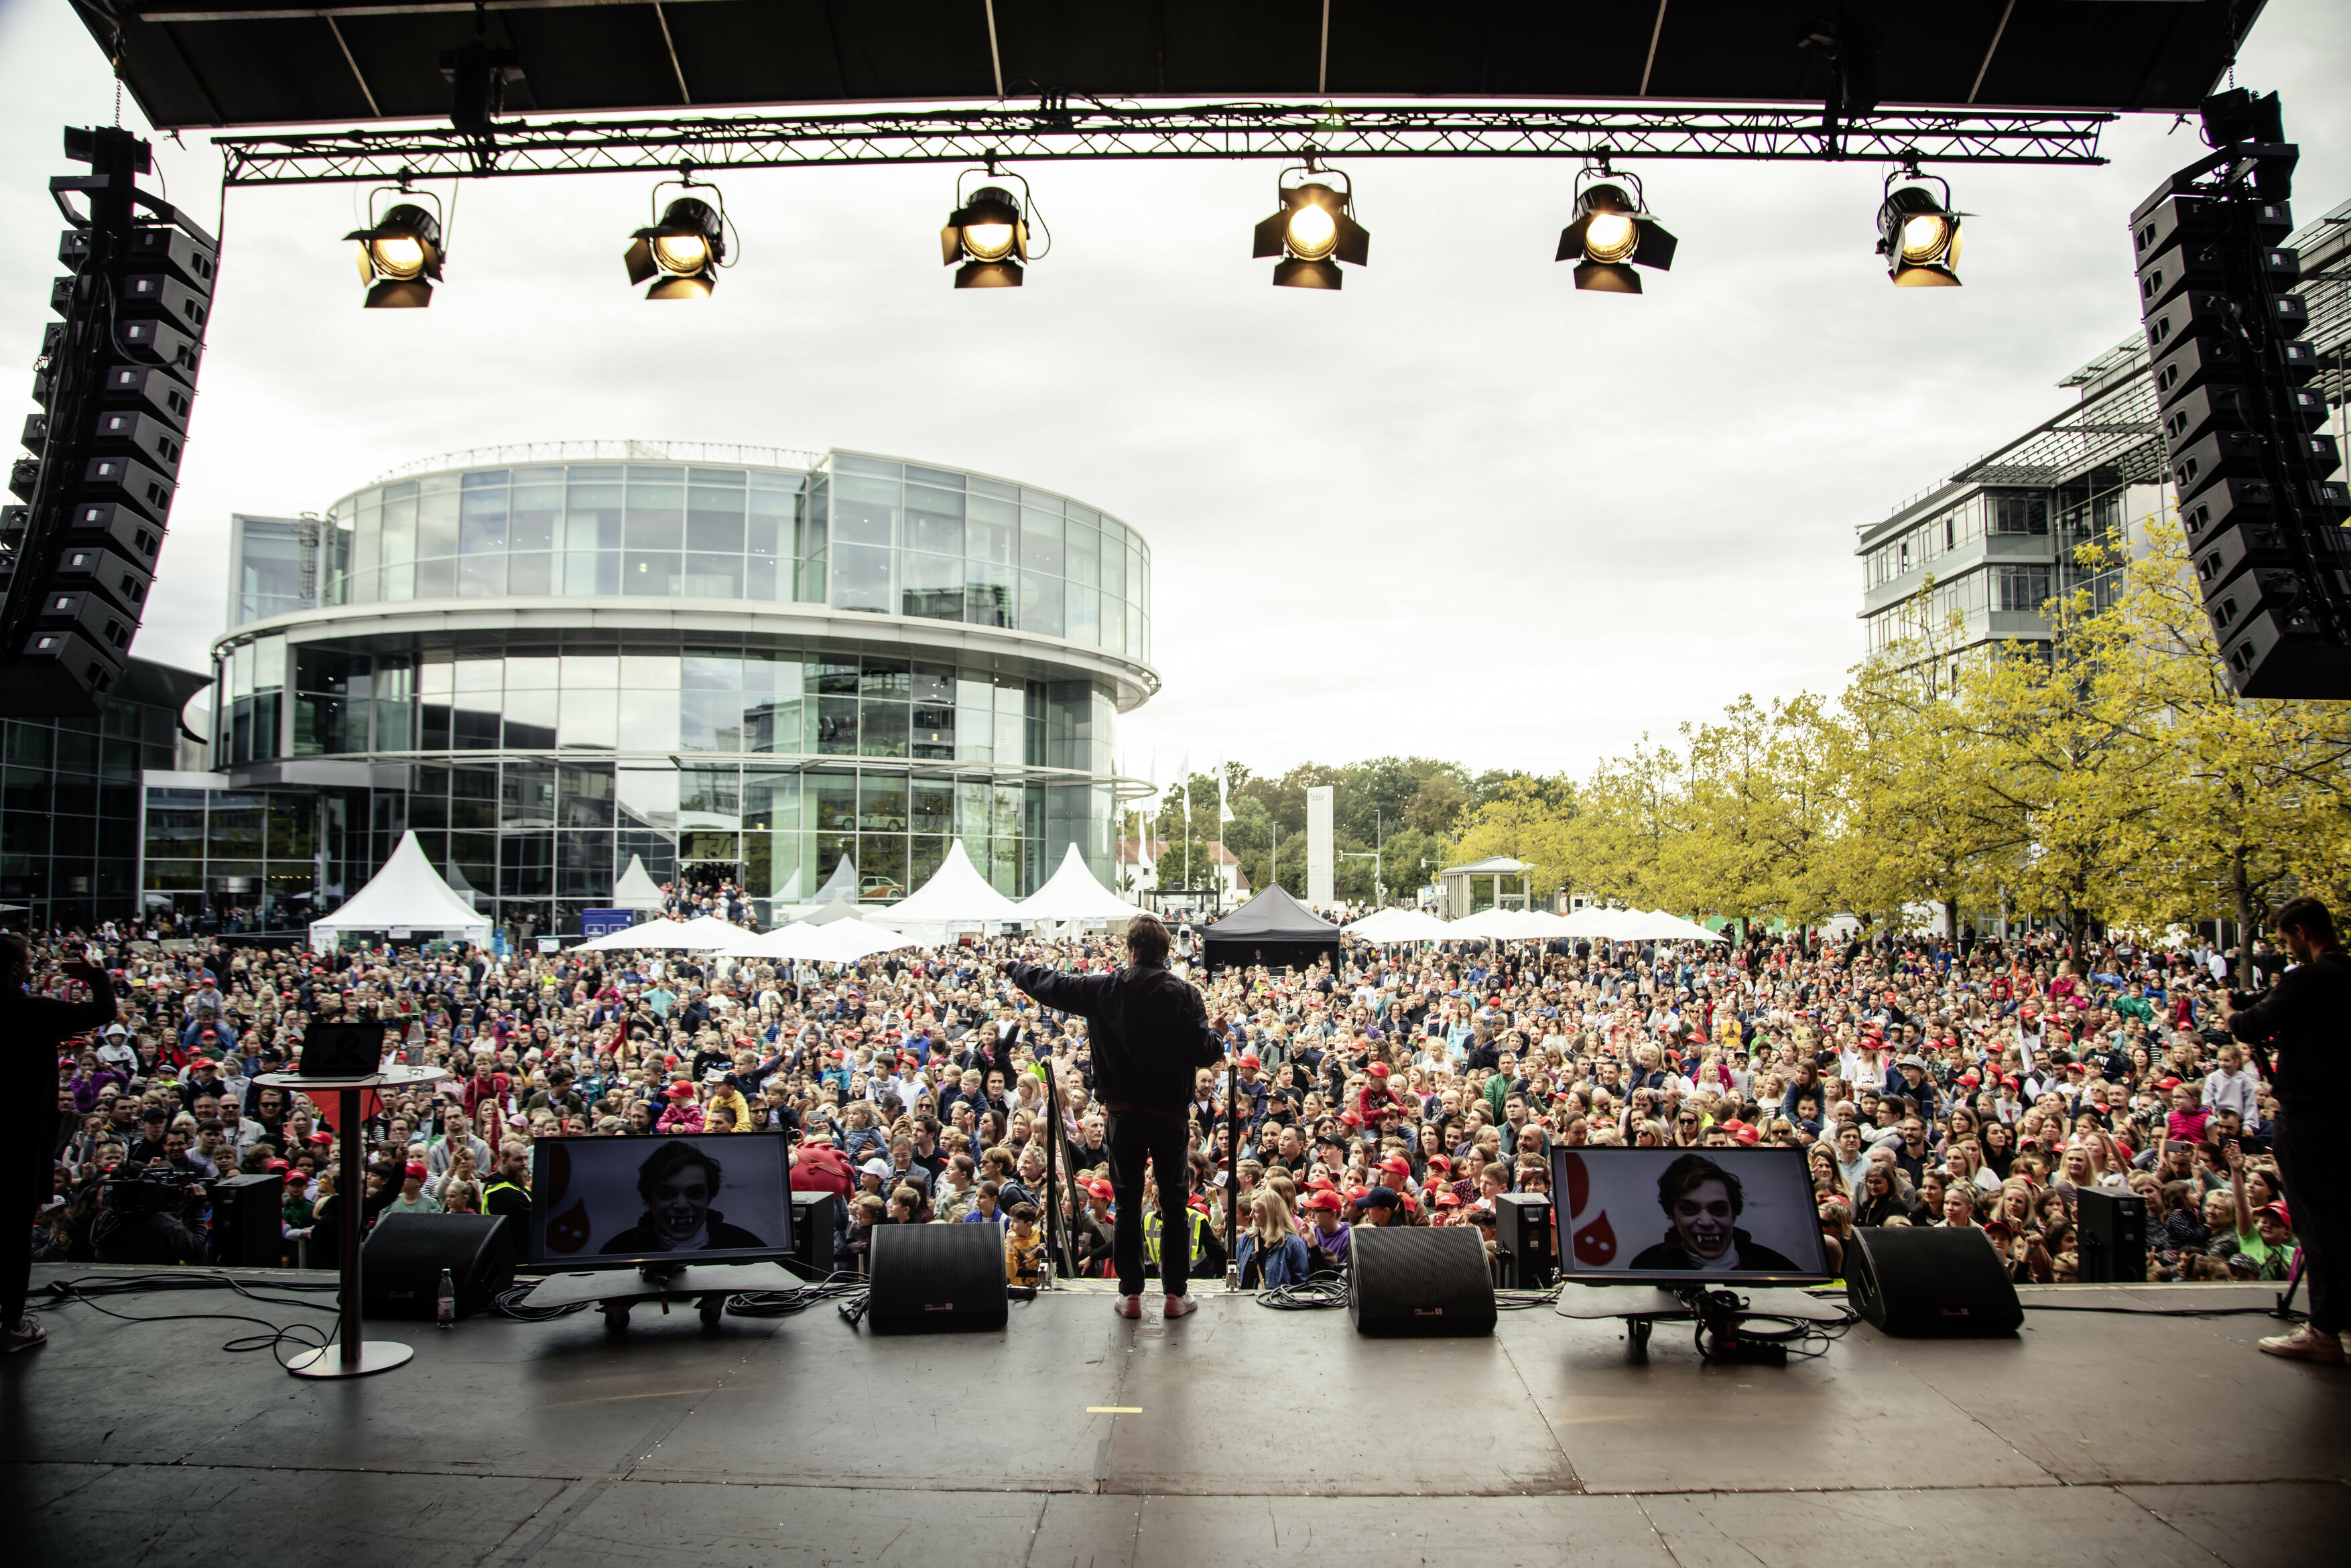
(1101, 1189)
(1378, 1070)
(416, 1169)
(1397, 1164)
(1748, 1135)
(1439, 1162)
(1324, 1200)
(679, 1092)
(1251, 1061)
(1447, 1199)
(2284, 1215)
(322, 1136)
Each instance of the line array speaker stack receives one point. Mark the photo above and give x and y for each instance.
(1926, 1281)
(116, 382)
(401, 1263)
(2240, 420)
(935, 1278)
(1420, 1283)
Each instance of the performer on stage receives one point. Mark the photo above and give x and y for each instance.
(1149, 1032)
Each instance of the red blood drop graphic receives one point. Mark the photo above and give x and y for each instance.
(559, 1175)
(568, 1231)
(1579, 1184)
(1595, 1244)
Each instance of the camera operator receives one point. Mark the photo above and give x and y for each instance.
(2304, 1019)
(31, 1028)
(140, 1222)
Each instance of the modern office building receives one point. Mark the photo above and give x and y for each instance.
(2000, 536)
(735, 662)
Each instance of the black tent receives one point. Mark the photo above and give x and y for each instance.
(1273, 929)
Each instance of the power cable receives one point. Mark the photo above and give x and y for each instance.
(87, 1290)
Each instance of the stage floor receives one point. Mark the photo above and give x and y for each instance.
(1238, 1435)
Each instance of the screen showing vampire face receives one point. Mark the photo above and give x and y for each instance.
(1672, 1215)
(604, 1202)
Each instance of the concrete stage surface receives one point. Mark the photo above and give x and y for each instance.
(1240, 1434)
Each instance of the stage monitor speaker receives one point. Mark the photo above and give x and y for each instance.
(247, 1213)
(1411, 1283)
(936, 1278)
(812, 1214)
(1522, 1225)
(1914, 1280)
(2113, 1236)
(401, 1259)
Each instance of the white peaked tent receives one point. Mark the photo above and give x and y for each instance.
(839, 942)
(1073, 894)
(836, 900)
(1370, 926)
(956, 894)
(407, 895)
(1506, 926)
(651, 934)
(635, 890)
(1401, 925)
(709, 931)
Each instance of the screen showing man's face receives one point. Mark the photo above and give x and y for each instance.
(1702, 1219)
(678, 1202)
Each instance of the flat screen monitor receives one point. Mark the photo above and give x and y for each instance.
(1686, 1216)
(627, 1203)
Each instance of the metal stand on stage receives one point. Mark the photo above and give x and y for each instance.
(707, 1285)
(1645, 1307)
(352, 1356)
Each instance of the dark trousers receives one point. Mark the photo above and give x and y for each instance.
(1133, 1137)
(25, 1183)
(2318, 1195)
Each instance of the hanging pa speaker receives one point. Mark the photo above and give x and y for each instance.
(935, 1278)
(401, 1259)
(1410, 1282)
(1911, 1280)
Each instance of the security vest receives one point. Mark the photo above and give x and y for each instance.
(1151, 1227)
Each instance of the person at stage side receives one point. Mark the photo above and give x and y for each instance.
(507, 1192)
(32, 1028)
(1149, 1032)
(2304, 1021)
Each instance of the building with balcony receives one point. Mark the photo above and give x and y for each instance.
(740, 664)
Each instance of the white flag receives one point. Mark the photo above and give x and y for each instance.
(1224, 809)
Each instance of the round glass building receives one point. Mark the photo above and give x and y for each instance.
(735, 662)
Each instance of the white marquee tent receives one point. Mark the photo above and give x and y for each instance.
(838, 942)
(1073, 894)
(406, 897)
(635, 890)
(956, 894)
(1401, 925)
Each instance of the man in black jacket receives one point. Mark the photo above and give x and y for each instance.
(2303, 1019)
(31, 1028)
(1149, 1033)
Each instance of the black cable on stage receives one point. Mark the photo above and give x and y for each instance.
(86, 1291)
(508, 1303)
(834, 1287)
(2168, 1311)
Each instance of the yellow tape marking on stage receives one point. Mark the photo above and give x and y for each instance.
(1113, 1409)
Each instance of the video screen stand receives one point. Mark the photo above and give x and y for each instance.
(616, 1291)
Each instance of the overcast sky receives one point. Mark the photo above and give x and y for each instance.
(1458, 508)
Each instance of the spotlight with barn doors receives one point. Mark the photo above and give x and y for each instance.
(683, 252)
(399, 255)
(1917, 235)
(1612, 232)
(1314, 230)
(989, 231)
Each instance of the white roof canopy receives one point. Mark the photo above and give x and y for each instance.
(956, 894)
(1074, 894)
(635, 890)
(838, 942)
(407, 895)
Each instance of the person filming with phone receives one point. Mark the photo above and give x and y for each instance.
(2300, 1029)
(31, 1028)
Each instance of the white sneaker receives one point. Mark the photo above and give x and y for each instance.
(22, 1334)
(1180, 1306)
(1130, 1306)
(2307, 1344)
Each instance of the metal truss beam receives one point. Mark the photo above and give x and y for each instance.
(1060, 131)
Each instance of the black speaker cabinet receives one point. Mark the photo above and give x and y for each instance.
(1522, 1228)
(935, 1278)
(812, 1214)
(2113, 1227)
(1414, 1282)
(401, 1259)
(247, 1212)
(1914, 1280)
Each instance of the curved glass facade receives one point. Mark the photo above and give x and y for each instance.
(534, 748)
(860, 533)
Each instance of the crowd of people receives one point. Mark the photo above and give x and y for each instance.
(1976, 1083)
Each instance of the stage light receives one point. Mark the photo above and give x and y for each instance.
(400, 258)
(988, 234)
(1612, 232)
(1919, 236)
(682, 253)
(1312, 231)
